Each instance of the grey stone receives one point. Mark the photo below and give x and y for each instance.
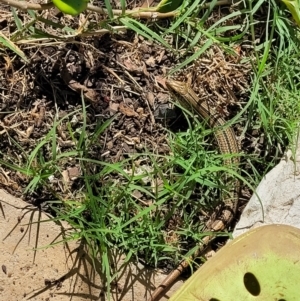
(277, 197)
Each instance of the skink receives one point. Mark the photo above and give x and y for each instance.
(228, 145)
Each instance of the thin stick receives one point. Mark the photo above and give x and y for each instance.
(142, 13)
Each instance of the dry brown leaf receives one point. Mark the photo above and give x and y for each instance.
(74, 173)
(8, 63)
(140, 110)
(161, 81)
(145, 71)
(150, 97)
(113, 107)
(130, 66)
(89, 94)
(29, 131)
(163, 97)
(65, 176)
(151, 61)
(161, 55)
(124, 109)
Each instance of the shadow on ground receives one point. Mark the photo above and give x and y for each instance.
(63, 271)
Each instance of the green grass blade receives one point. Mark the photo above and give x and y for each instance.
(183, 18)
(123, 6)
(9, 44)
(17, 19)
(109, 9)
(193, 57)
(83, 130)
(143, 30)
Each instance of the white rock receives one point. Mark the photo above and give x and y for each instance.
(279, 197)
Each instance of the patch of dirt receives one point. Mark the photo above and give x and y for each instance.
(120, 78)
(123, 78)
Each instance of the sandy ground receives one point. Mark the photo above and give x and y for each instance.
(61, 272)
